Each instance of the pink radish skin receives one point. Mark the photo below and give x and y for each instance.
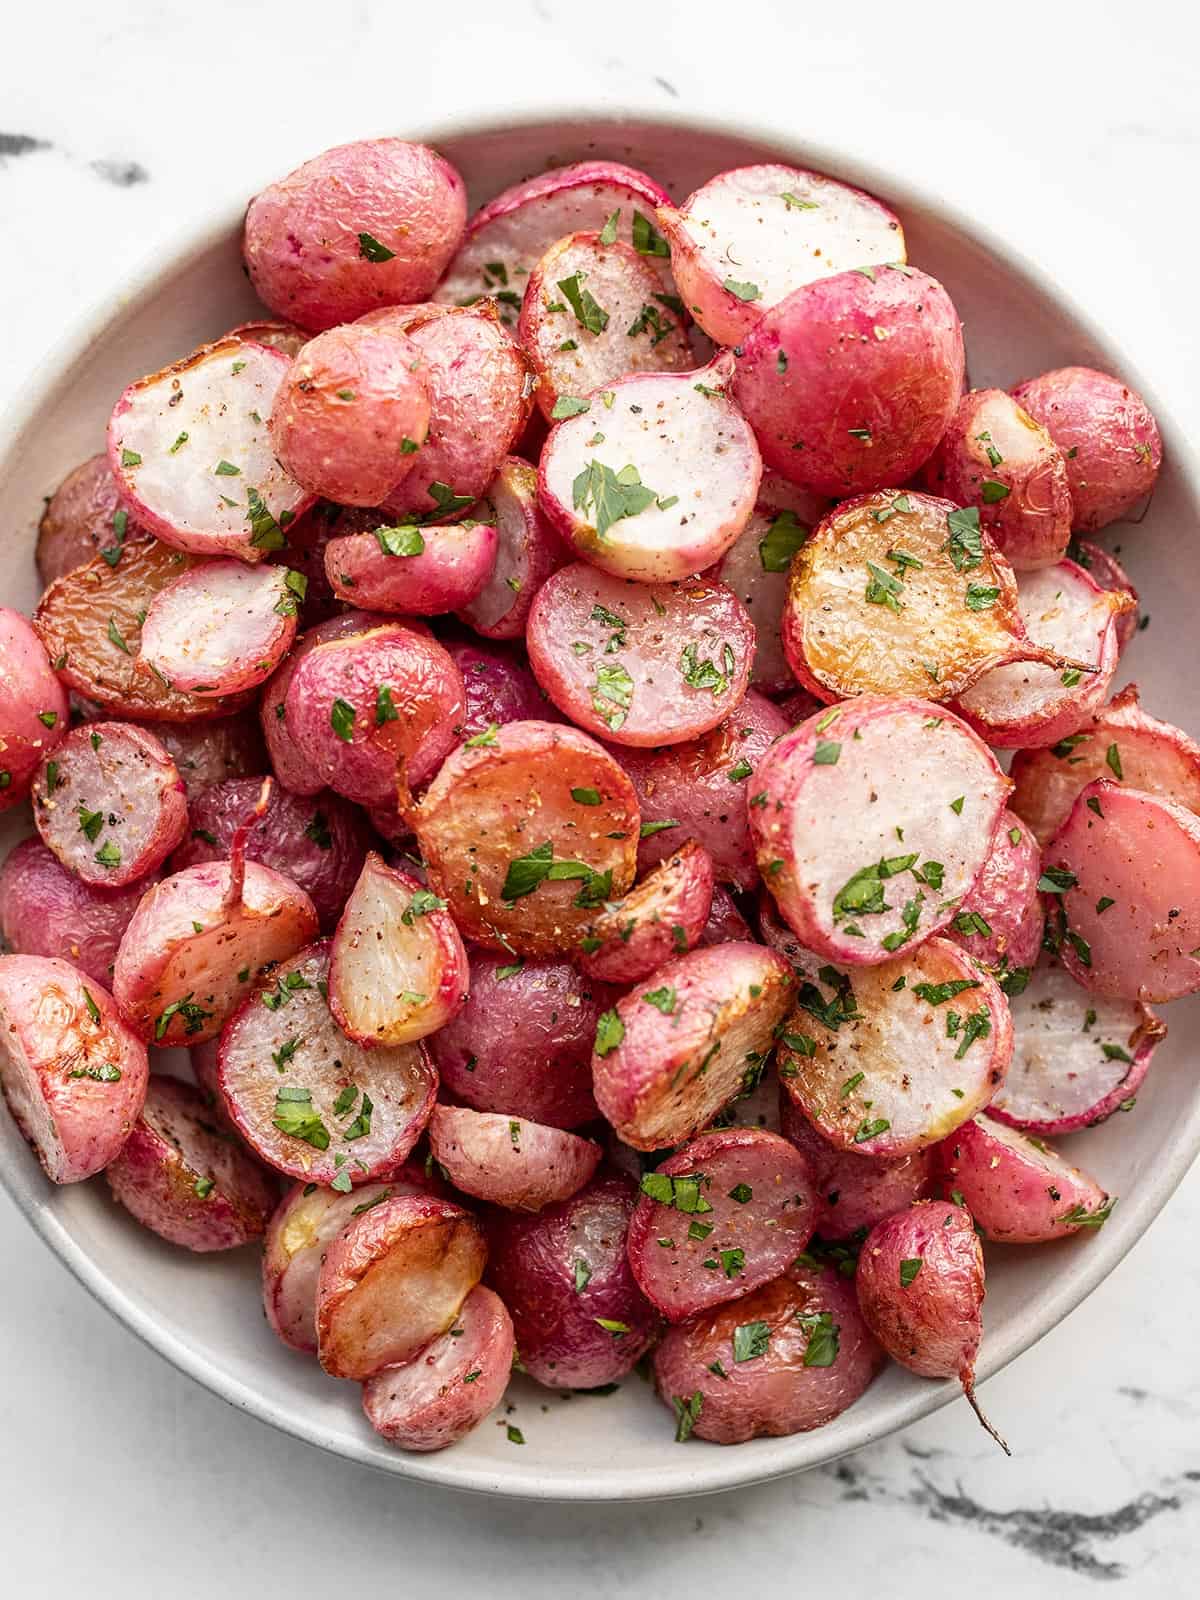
(641, 332)
(854, 1192)
(1107, 434)
(1153, 756)
(663, 664)
(1017, 1189)
(1004, 902)
(690, 446)
(749, 1211)
(110, 803)
(212, 752)
(164, 961)
(702, 787)
(398, 969)
(681, 1056)
(783, 227)
(180, 465)
(836, 407)
(499, 687)
(220, 627)
(1030, 705)
(579, 1317)
(371, 223)
(1104, 568)
(522, 1043)
(725, 921)
(663, 916)
(925, 1056)
(816, 827)
(528, 551)
(798, 706)
(47, 911)
(284, 1039)
(996, 457)
(352, 413)
(449, 568)
(283, 336)
(1130, 921)
(183, 1180)
(778, 1392)
(448, 1388)
(394, 1279)
(518, 226)
(83, 516)
(507, 1161)
(33, 707)
(73, 1074)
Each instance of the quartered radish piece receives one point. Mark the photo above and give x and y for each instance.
(664, 916)
(506, 238)
(1120, 743)
(110, 803)
(657, 480)
(499, 686)
(869, 792)
(451, 1385)
(309, 1101)
(45, 910)
(192, 453)
(1104, 568)
(508, 1161)
(902, 594)
(1000, 921)
(392, 1281)
(994, 456)
(853, 1191)
(596, 310)
(83, 516)
(398, 969)
(527, 552)
(33, 707)
(73, 1074)
(1077, 1057)
(522, 862)
(1017, 1189)
(637, 663)
(727, 1212)
(222, 627)
(283, 336)
(1030, 705)
(185, 1181)
(887, 1060)
(90, 622)
(746, 238)
(699, 790)
(414, 572)
(1122, 877)
(676, 1050)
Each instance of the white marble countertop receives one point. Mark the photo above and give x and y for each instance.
(1075, 127)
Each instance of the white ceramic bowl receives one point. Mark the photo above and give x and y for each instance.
(203, 1313)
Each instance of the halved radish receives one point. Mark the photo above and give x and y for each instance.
(1000, 921)
(183, 1179)
(676, 1050)
(658, 480)
(1122, 876)
(309, 1101)
(73, 1074)
(222, 627)
(283, 336)
(902, 594)
(595, 310)
(33, 707)
(727, 1212)
(110, 803)
(528, 551)
(664, 915)
(637, 663)
(521, 863)
(398, 969)
(746, 238)
(853, 1191)
(508, 1161)
(1104, 569)
(1077, 1057)
(45, 910)
(869, 792)
(1120, 743)
(392, 1281)
(192, 453)
(451, 1385)
(887, 1060)
(1017, 1189)
(407, 570)
(1028, 704)
(506, 238)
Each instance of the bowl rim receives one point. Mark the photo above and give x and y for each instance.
(698, 1472)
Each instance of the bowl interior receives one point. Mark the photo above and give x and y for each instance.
(203, 1313)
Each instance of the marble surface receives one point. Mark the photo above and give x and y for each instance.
(1073, 128)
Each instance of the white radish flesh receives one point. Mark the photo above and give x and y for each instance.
(222, 627)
